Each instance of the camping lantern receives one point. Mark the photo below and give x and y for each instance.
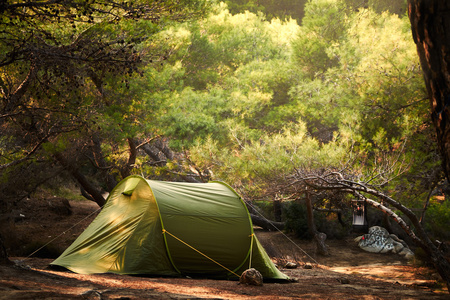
(360, 223)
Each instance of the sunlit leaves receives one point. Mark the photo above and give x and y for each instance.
(242, 61)
(254, 162)
(375, 76)
(324, 24)
(193, 115)
(72, 72)
(348, 78)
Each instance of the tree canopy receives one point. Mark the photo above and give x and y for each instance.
(100, 90)
(65, 80)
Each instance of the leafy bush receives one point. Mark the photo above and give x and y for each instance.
(295, 216)
(296, 219)
(265, 208)
(437, 219)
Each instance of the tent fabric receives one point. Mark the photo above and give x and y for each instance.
(169, 229)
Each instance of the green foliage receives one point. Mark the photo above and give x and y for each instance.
(71, 73)
(376, 87)
(254, 163)
(296, 219)
(193, 115)
(282, 9)
(324, 24)
(252, 101)
(295, 215)
(437, 219)
(228, 67)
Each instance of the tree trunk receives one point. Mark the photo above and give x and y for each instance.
(430, 23)
(4, 260)
(277, 210)
(82, 180)
(259, 220)
(266, 224)
(101, 163)
(126, 170)
(319, 237)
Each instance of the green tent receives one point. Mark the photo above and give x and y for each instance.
(170, 228)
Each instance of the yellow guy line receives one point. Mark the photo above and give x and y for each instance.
(165, 231)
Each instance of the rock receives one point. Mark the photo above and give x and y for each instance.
(307, 266)
(19, 264)
(60, 206)
(251, 277)
(290, 265)
(407, 253)
(378, 240)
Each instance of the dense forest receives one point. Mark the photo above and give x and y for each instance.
(289, 102)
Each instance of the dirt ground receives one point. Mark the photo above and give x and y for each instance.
(348, 273)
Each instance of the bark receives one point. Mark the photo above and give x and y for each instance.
(277, 210)
(161, 144)
(430, 23)
(101, 163)
(126, 170)
(154, 155)
(13, 100)
(158, 151)
(82, 180)
(319, 237)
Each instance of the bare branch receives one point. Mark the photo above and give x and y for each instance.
(148, 141)
(30, 4)
(13, 100)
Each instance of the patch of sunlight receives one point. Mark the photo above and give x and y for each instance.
(84, 250)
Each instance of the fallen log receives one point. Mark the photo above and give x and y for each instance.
(266, 224)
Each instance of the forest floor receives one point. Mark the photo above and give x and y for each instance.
(348, 273)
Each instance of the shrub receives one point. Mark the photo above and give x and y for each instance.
(437, 219)
(295, 216)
